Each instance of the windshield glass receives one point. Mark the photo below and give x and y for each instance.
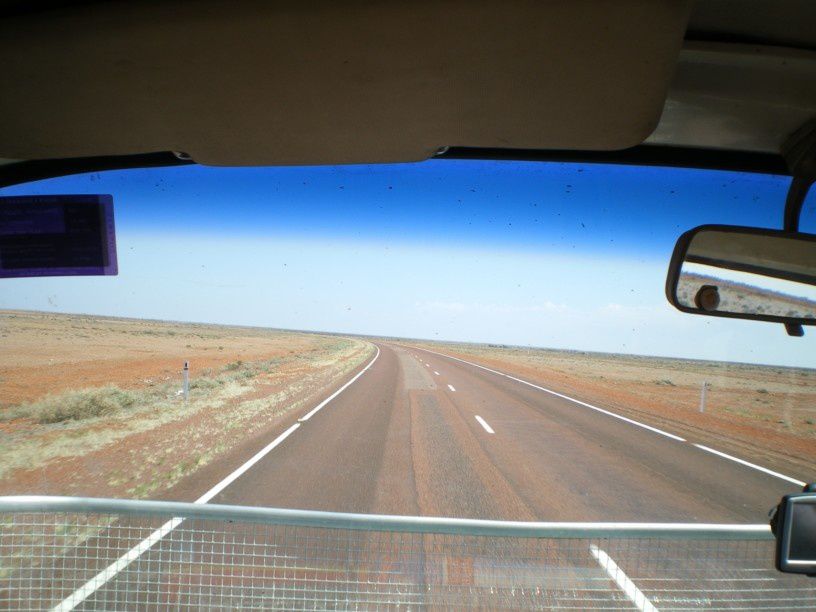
(470, 339)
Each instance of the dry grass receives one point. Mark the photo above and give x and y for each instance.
(142, 436)
(47, 353)
(75, 405)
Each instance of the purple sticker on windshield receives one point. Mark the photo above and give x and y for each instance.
(59, 235)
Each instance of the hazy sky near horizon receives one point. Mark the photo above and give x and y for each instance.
(552, 255)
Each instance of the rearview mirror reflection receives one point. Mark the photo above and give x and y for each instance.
(745, 273)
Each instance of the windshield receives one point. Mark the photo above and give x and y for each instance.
(469, 339)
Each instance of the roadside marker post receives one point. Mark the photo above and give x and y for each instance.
(186, 387)
(703, 396)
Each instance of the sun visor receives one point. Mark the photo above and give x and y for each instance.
(261, 83)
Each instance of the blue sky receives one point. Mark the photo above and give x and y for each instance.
(554, 255)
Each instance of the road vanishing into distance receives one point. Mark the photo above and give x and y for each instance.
(420, 433)
(414, 432)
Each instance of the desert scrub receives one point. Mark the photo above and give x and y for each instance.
(79, 405)
(205, 383)
(83, 404)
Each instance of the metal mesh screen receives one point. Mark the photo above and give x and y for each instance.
(93, 560)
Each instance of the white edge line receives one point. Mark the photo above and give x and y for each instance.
(90, 587)
(566, 397)
(484, 424)
(248, 464)
(620, 578)
(633, 422)
(750, 465)
(311, 413)
(95, 583)
(451, 388)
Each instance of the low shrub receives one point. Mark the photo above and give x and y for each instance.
(79, 404)
(205, 383)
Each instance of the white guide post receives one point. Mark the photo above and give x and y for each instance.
(186, 375)
(703, 396)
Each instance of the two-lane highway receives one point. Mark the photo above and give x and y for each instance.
(414, 432)
(427, 434)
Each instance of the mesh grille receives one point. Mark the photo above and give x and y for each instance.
(91, 560)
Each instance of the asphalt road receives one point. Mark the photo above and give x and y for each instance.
(423, 434)
(417, 433)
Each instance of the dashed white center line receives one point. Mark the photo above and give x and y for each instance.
(435, 372)
(631, 421)
(566, 397)
(484, 424)
(451, 388)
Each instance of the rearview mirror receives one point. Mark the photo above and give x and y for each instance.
(745, 273)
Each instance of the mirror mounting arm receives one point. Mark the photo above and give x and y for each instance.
(795, 200)
(800, 154)
(797, 192)
(795, 330)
